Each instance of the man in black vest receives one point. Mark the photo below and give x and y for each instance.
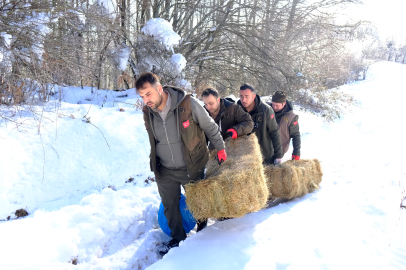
(265, 126)
(288, 122)
(177, 127)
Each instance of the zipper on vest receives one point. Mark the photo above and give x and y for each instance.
(170, 149)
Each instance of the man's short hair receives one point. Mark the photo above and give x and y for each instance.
(210, 91)
(247, 86)
(147, 77)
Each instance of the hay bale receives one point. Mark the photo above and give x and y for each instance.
(234, 188)
(293, 178)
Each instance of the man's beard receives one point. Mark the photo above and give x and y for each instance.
(155, 105)
(246, 105)
(216, 111)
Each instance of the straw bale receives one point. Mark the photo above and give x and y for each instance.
(293, 178)
(234, 188)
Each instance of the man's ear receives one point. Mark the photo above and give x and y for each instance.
(218, 100)
(254, 95)
(159, 87)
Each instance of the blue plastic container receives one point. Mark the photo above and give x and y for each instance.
(188, 220)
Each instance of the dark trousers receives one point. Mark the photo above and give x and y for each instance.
(169, 182)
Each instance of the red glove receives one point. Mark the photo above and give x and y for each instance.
(221, 156)
(232, 133)
(294, 157)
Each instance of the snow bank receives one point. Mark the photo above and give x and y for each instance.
(99, 226)
(104, 98)
(70, 156)
(73, 215)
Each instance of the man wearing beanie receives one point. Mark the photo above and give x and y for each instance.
(288, 123)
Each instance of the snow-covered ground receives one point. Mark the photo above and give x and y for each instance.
(354, 221)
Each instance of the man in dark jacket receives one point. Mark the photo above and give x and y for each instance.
(232, 120)
(288, 123)
(177, 127)
(265, 126)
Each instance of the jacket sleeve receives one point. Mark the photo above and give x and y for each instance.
(295, 135)
(273, 131)
(244, 120)
(207, 124)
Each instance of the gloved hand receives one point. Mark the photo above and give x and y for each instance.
(294, 157)
(221, 156)
(232, 133)
(277, 161)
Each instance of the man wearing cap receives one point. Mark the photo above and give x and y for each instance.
(288, 123)
(232, 120)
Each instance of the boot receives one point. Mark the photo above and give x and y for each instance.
(224, 218)
(168, 245)
(201, 225)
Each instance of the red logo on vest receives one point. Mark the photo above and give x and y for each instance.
(272, 116)
(186, 124)
(295, 123)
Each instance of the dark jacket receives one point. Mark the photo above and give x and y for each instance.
(180, 140)
(233, 116)
(266, 129)
(289, 128)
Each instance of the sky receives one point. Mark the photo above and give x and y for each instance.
(388, 16)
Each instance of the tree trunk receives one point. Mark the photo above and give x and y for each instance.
(291, 16)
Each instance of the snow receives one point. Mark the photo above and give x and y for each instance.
(124, 55)
(98, 226)
(110, 5)
(184, 84)
(7, 41)
(354, 221)
(168, 62)
(6, 38)
(161, 30)
(179, 62)
(82, 17)
(74, 151)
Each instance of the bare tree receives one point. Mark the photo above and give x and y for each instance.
(273, 44)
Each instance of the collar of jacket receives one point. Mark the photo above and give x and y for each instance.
(224, 103)
(227, 102)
